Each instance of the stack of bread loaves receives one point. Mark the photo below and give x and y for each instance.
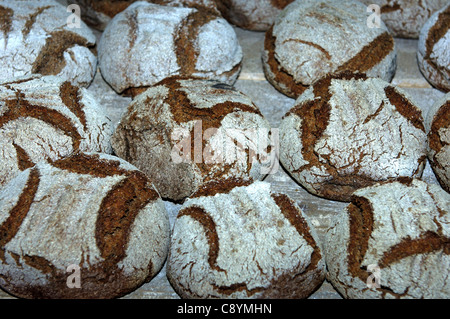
(138, 155)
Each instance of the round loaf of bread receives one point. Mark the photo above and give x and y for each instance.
(243, 241)
(438, 128)
(311, 39)
(47, 118)
(405, 18)
(433, 49)
(392, 241)
(147, 42)
(86, 226)
(41, 37)
(185, 132)
(98, 13)
(349, 131)
(256, 15)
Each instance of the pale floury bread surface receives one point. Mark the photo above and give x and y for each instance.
(98, 13)
(256, 15)
(184, 132)
(438, 128)
(433, 49)
(36, 37)
(92, 211)
(405, 18)
(46, 118)
(311, 39)
(349, 131)
(244, 241)
(147, 42)
(392, 241)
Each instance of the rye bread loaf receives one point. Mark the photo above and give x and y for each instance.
(256, 15)
(349, 131)
(47, 118)
(392, 241)
(36, 38)
(405, 18)
(433, 49)
(90, 211)
(184, 132)
(98, 13)
(147, 42)
(438, 128)
(311, 39)
(240, 240)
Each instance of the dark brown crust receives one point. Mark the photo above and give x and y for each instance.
(84, 164)
(32, 19)
(70, 96)
(220, 187)
(281, 79)
(202, 217)
(20, 107)
(237, 287)
(117, 213)
(50, 60)
(185, 41)
(109, 7)
(428, 242)
(437, 31)
(6, 15)
(280, 4)
(410, 112)
(440, 120)
(370, 55)
(299, 283)
(23, 160)
(390, 7)
(10, 227)
(294, 216)
(360, 213)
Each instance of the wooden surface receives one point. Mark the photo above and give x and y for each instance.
(274, 105)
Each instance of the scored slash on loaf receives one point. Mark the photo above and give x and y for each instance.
(438, 128)
(184, 132)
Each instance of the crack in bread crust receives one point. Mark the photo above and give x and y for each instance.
(20, 107)
(6, 15)
(117, 213)
(185, 41)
